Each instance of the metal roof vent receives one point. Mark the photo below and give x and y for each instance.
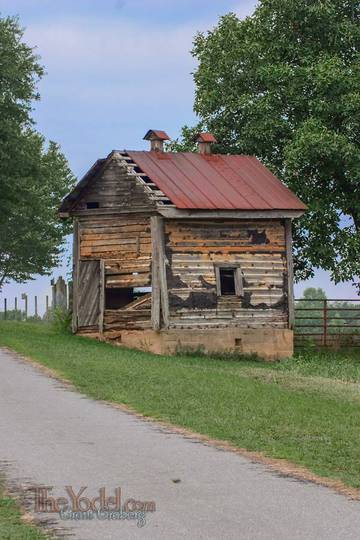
(205, 140)
(156, 138)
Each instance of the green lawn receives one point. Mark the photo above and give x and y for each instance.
(305, 409)
(11, 525)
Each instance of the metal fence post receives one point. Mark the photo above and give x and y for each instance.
(5, 309)
(36, 307)
(325, 322)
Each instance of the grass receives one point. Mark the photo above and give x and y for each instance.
(12, 527)
(341, 365)
(305, 410)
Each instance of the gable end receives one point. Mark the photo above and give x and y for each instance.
(114, 184)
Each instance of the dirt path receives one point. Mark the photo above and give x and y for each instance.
(53, 436)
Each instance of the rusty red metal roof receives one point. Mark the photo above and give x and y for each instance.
(156, 134)
(216, 182)
(205, 137)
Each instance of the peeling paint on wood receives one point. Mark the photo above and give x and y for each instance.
(258, 248)
(195, 300)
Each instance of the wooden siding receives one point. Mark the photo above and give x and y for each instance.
(115, 188)
(115, 237)
(192, 248)
(127, 272)
(123, 245)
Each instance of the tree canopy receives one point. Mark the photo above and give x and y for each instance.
(34, 177)
(283, 85)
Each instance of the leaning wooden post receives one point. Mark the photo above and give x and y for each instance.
(290, 273)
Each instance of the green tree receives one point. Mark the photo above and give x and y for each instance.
(309, 312)
(312, 293)
(33, 177)
(283, 85)
(342, 317)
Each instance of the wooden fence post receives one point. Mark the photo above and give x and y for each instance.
(5, 309)
(25, 298)
(53, 294)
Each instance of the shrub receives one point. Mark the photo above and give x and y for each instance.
(61, 319)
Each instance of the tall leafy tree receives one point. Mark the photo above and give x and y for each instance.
(283, 85)
(34, 177)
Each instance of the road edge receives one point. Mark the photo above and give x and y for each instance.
(278, 466)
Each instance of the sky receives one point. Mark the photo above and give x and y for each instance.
(114, 69)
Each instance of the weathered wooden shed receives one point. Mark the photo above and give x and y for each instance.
(183, 250)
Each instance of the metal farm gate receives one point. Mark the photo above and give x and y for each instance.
(327, 323)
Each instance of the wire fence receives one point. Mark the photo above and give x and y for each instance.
(327, 322)
(321, 322)
(19, 308)
(26, 307)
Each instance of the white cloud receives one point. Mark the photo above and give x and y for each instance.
(120, 60)
(99, 58)
(119, 47)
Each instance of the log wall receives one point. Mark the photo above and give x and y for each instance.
(121, 237)
(123, 243)
(192, 248)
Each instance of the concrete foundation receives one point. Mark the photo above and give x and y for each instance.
(268, 343)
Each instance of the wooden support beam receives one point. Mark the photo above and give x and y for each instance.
(155, 281)
(239, 285)
(160, 299)
(75, 275)
(101, 297)
(163, 281)
(218, 281)
(290, 273)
